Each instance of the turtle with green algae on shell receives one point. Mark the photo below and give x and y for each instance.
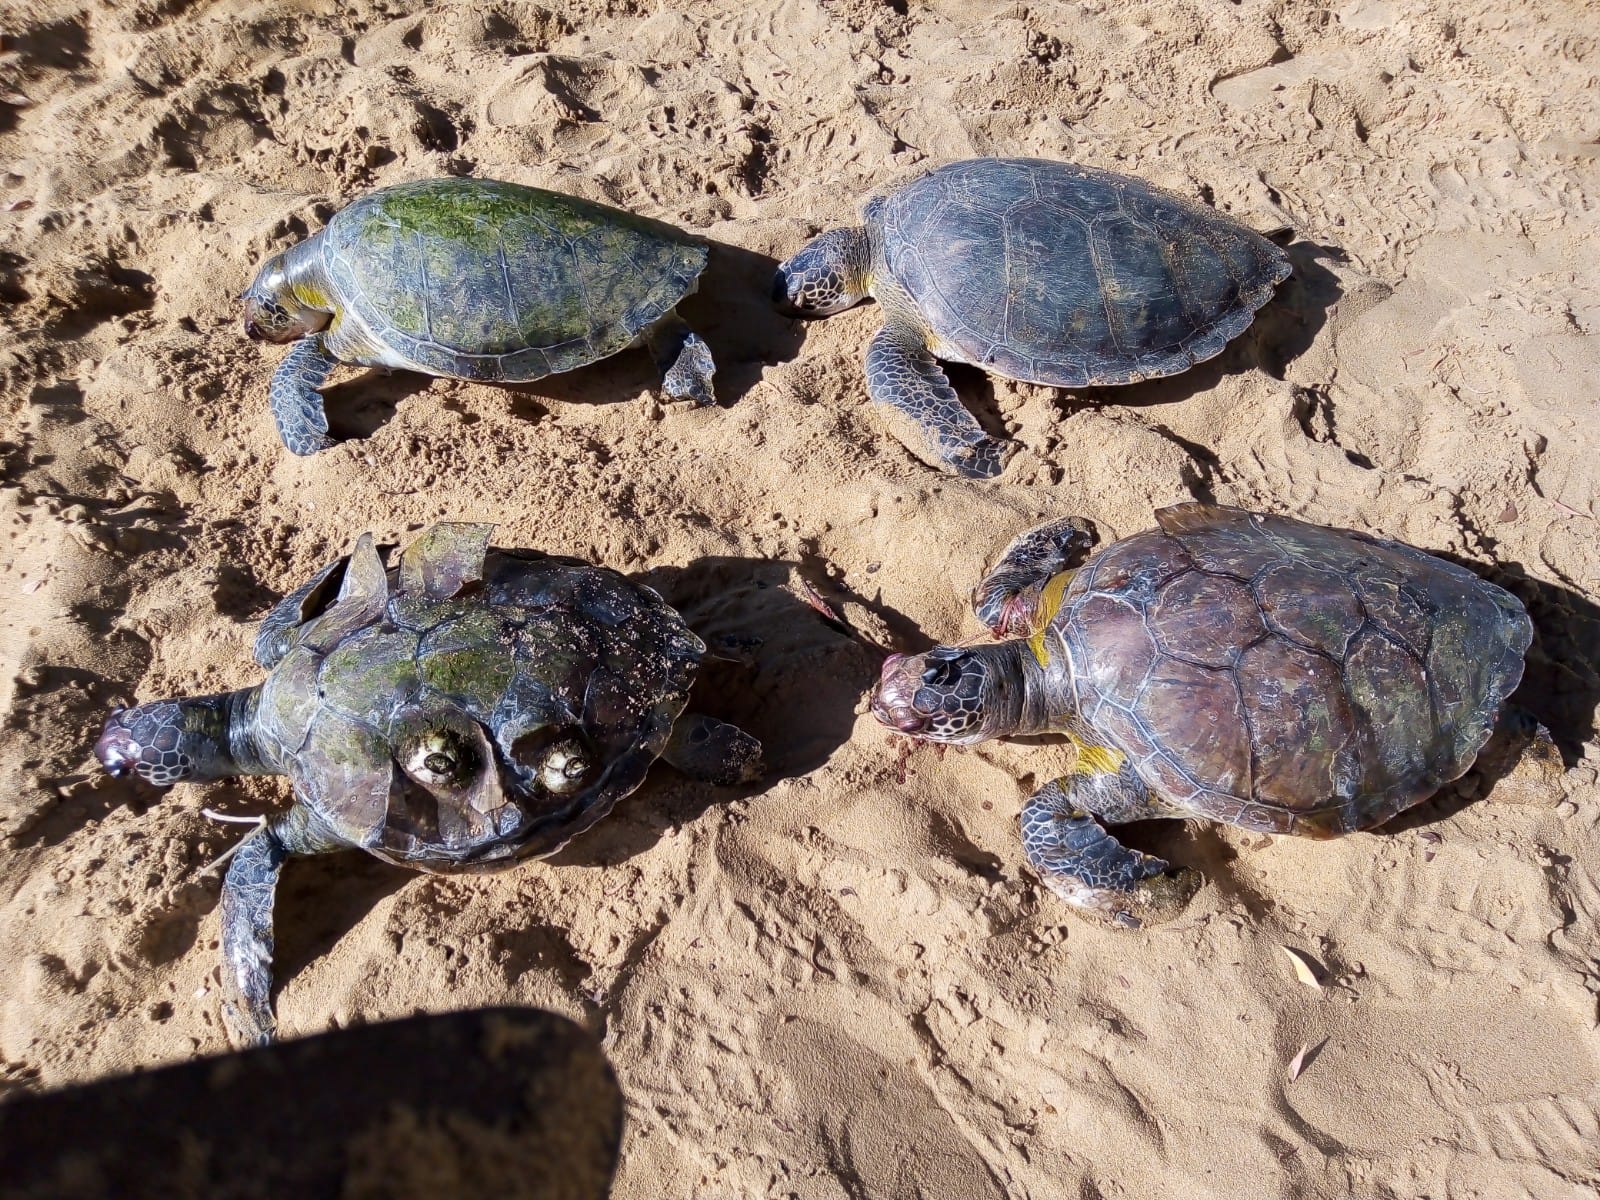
(1034, 270)
(459, 709)
(1227, 665)
(474, 279)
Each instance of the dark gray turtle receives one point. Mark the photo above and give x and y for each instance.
(473, 279)
(459, 709)
(1230, 665)
(1035, 270)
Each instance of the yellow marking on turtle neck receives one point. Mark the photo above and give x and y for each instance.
(1097, 760)
(1045, 612)
(309, 296)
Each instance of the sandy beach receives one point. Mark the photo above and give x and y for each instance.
(843, 982)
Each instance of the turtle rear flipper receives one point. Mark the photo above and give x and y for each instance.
(1086, 866)
(713, 751)
(684, 360)
(903, 374)
(296, 399)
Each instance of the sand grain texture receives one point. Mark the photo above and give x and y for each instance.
(840, 985)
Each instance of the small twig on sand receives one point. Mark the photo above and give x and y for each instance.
(802, 589)
(260, 823)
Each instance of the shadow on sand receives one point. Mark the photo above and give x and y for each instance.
(501, 1102)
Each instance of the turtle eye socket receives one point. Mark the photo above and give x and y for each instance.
(438, 758)
(566, 767)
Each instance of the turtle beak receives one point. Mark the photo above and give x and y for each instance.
(112, 748)
(891, 702)
(780, 295)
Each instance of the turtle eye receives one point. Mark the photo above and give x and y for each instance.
(565, 767)
(437, 757)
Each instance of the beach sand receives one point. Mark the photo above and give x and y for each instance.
(844, 982)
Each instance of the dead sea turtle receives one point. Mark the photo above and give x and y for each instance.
(458, 709)
(1230, 665)
(1035, 270)
(473, 279)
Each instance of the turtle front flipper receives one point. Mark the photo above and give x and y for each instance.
(684, 359)
(904, 375)
(1084, 865)
(247, 894)
(713, 751)
(1007, 598)
(294, 610)
(296, 401)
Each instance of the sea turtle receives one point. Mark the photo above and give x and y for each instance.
(458, 709)
(473, 279)
(1236, 666)
(1035, 270)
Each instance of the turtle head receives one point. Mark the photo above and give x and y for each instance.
(828, 276)
(272, 310)
(954, 694)
(170, 741)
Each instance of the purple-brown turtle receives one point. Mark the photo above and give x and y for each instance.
(1236, 666)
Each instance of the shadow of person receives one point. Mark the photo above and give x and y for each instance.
(775, 667)
(496, 1103)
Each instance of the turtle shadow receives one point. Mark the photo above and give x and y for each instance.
(1561, 685)
(975, 388)
(1207, 847)
(1561, 682)
(805, 673)
(320, 899)
(1286, 328)
(733, 311)
(775, 667)
(1282, 331)
(237, 593)
(359, 407)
